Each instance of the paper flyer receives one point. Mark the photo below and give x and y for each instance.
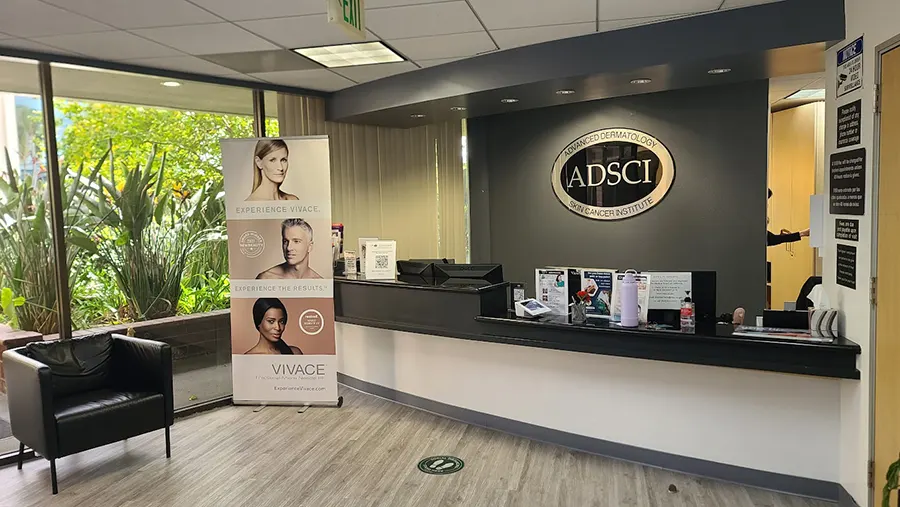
(551, 289)
(599, 286)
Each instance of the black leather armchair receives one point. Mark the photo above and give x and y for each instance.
(69, 396)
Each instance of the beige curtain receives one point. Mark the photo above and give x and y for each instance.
(401, 184)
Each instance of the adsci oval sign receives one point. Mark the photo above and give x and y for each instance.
(613, 174)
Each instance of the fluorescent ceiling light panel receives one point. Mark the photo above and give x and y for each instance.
(808, 95)
(351, 55)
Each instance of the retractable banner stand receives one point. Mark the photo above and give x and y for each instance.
(278, 199)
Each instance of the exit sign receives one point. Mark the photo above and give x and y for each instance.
(350, 14)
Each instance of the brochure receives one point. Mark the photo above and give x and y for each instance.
(551, 289)
(599, 286)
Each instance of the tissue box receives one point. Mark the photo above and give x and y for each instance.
(824, 322)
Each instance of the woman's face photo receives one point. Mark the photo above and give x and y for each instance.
(274, 165)
(273, 323)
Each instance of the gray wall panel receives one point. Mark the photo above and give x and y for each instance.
(713, 218)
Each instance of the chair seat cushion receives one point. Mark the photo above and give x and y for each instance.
(94, 418)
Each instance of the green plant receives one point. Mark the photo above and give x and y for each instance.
(206, 215)
(96, 298)
(8, 303)
(892, 484)
(26, 253)
(205, 293)
(150, 235)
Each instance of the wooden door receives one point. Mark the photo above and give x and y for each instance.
(887, 339)
(792, 176)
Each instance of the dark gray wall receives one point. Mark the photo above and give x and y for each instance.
(713, 218)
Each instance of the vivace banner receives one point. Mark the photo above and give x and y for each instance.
(278, 211)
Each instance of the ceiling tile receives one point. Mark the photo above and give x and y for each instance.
(32, 18)
(422, 20)
(245, 77)
(365, 73)
(509, 14)
(207, 39)
(139, 13)
(733, 4)
(30, 45)
(515, 37)
(458, 45)
(436, 61)
(618, 24)
(378, 4)
(617, 9)
(242, 10)
(321, 79)
(301, 31)
(275, 60)
(182, 64)
(114, 45)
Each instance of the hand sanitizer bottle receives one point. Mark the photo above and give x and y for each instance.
(687, 314)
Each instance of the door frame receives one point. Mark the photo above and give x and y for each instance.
(880, 50)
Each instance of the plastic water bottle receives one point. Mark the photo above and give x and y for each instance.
(688, 318)
(629, 298)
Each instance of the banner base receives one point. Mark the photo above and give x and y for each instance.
(262, 404)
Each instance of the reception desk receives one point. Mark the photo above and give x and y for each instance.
(759, 412)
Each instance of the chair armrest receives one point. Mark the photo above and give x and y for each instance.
(29, 393)
(144, 365)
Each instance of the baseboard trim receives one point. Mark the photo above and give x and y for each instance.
(845, 499)
(783, 483)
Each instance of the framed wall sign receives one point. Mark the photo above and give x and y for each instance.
(613, 174)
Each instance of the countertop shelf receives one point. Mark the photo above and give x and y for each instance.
(480, 314)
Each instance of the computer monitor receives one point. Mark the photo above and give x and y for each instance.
(435, 261)
(416, 268)
(492, 273)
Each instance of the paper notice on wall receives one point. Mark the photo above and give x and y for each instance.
(668, 290)
(643, 284)
(552, 289)
(850, 67)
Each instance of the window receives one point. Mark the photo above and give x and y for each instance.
(27, 279)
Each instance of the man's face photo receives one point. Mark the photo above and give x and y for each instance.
(295, 244)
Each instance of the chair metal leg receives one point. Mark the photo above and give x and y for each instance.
(168, 445)
(21, 454)
(53, 476)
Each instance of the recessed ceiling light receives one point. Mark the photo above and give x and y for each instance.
(565, 92)
(458, 108)
(171, 84)
(642, 80)
(509, 100)
(417, 115)
(718, 71)
(349, 55)
(816, 94)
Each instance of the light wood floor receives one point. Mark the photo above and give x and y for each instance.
(363, 454)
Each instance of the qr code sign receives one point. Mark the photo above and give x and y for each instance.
(381, 261)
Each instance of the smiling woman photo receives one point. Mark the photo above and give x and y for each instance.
(270, 317)
(270, 167)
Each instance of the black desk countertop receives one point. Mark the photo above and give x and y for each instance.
(477, 311)
(712, 344)
(420, 283)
